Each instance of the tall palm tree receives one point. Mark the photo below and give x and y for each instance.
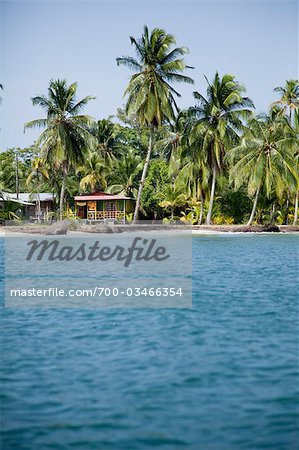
(289, 100)
(150, 95)
(187, 163)
(264, 159)
(219, 118)
(295, 134)
(287, 105)
(66, 136)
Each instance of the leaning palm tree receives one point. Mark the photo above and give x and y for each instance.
(289, 98)
(218, 120)
(150, 95)
(264, 160)
(66, 136)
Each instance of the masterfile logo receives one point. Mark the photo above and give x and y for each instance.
(151, 268)
(139, 250)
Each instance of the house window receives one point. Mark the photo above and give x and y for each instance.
(111, 206)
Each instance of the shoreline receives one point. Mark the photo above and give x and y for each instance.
(32, 230)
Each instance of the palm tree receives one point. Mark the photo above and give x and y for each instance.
(94, 172)
(38, 172)
(104, 132)
(219, 118)
(295, 134)
(194, 171)
(186, 163)
(263, 159)
(287, 105)
(66, 136)
(124, 174)
(173, 197)
(289, 100)
(150, 95)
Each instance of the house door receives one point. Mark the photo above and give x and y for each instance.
(82, 212)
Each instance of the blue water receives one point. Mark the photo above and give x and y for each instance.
(222, 375)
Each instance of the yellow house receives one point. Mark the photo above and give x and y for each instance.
(100, 205)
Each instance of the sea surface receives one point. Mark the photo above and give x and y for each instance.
(222, 375)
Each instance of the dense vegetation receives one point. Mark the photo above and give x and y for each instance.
(215, 162)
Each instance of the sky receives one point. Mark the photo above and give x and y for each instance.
(255, 40)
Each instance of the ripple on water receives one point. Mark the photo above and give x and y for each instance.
(220, 376)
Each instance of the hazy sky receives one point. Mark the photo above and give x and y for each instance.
(255, 40)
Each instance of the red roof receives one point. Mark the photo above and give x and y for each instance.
(101, 196)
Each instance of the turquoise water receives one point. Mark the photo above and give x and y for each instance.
(222, 375)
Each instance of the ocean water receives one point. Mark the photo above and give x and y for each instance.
(223, 375)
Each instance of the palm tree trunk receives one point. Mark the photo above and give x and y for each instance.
(287, 208)
(209, 215)
(254, 207)
(272, 217)
(201, 208)
(143, 176)
(17, 175)
(38, 208)
(62, 194)
(296, 208)
(172, 212)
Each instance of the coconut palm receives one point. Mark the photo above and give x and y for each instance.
(150, 95)
(264, 159)
(38, 172)
(124, 174)
(295, 134)
(93, 172)
(66, 136)
(219, 118)
(287, 105)
(186, 163)
(194, 171)
(104, 132)
(173, 197)
(289, 100)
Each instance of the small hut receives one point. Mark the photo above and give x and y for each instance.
(100, 205)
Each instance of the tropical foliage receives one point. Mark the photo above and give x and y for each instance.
(150, 94)
(66, 135)
(214, 162)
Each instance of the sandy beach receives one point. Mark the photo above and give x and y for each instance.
(196, 230)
